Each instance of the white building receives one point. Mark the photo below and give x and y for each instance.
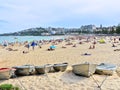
(89, 28)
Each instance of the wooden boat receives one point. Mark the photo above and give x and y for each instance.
(6, 73)
(43, 69)
(25, 70)
(60, 67)
(85, 69)
(106, 69)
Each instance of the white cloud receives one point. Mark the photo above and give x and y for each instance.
(25, 13)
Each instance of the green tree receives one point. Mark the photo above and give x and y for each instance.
(118, 30)
(105, 31)
(112, 31)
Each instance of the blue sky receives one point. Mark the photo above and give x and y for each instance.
(17, 15)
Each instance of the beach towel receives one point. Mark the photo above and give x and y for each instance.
(52, 47)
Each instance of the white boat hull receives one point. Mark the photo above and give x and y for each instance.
(84, 69)
(106, 69)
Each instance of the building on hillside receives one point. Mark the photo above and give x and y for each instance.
(45, 34)
(88, 28)
(108, 30)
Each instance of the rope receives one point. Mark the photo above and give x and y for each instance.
(103, 80)
(96, 82)
(99, 85)
(20, 82)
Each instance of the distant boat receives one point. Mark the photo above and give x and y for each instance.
(85, 69)
(106, 69)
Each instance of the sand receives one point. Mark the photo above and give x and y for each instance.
(63, 80)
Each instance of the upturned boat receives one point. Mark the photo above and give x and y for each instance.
(43, 69)
(60, 67)
(6, 73)
(25, 70)
(85, 69)
(106, 69)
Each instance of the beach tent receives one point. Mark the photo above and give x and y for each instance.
(102, 41)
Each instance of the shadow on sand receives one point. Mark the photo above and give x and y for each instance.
(70, 77)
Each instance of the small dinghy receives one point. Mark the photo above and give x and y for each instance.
(85, 69)
(25, 70)
(43, 69)
(106, 69)
(60, 67)
(6, 73)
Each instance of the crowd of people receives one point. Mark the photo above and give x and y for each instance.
(69, 41)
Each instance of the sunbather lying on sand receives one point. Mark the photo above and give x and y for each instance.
(52, 47)
(74, 45)
(117, 50)
(64, 47)
(85, 54)
(10, 49)
(24, 52)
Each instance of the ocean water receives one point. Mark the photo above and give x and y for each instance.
(27, 38)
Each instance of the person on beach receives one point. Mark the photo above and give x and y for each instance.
(94, 42)
(113, 45)
(52, 47)
(92, 47)
(33, 44)
(27, 46)
(64, 47)
(74, 45)
(39, 45)
(24, 52)
(119, 39)
(114, 40)
(5, 43)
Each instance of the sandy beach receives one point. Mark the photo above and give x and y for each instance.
(66, 80)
